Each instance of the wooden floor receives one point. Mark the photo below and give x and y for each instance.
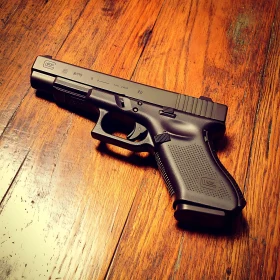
(74, 208)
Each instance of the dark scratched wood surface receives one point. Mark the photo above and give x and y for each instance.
(74, 208)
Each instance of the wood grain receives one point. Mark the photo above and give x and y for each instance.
(29, 28)
(263, 181)
(71, 212)
(74, 208)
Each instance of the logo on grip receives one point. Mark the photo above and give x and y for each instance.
(49, 64)
(208, 183)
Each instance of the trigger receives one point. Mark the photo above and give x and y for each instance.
(138, 133)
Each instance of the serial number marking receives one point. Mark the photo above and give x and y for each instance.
(104, 82)
(78, 74)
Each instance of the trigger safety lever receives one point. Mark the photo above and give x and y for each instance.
(138, 133)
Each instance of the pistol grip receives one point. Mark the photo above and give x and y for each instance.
(205, 193)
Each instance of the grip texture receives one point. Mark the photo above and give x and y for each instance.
(197, 172)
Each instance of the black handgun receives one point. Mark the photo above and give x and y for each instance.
(178, 129)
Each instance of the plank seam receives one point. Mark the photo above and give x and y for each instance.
(260, 98)
(119, 240)
(14, 114)
(13, 180)
(147, 41)
(72, 27)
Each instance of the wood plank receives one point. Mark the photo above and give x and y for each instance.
(29, 28)
(66, 206)
(263, 181)
(220, 51)
(115, 35)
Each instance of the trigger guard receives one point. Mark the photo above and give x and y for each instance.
(144, 145)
